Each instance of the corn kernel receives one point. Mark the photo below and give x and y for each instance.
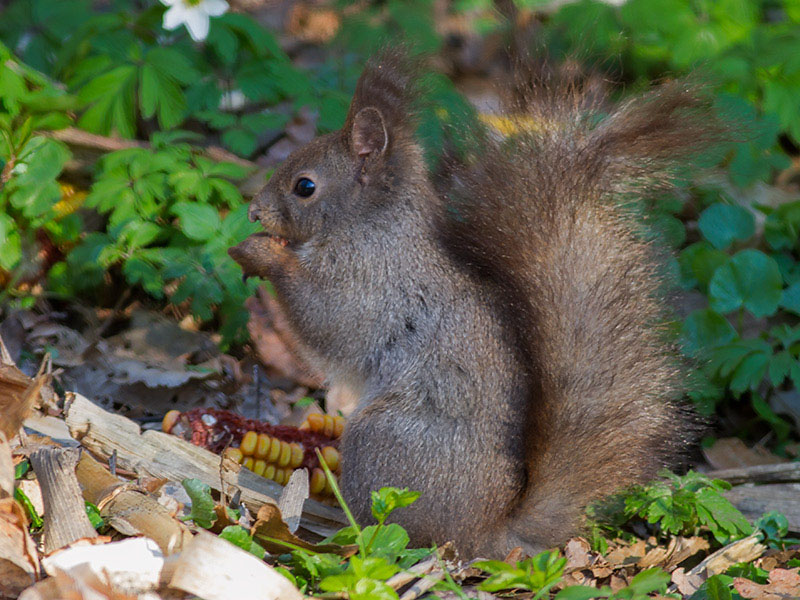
(296, 458)
(317, 481)
(269, 472)
(304, 426)
(338, 426)
(328, 429)
(259, 466)
(281, 476)
(234, 454)
(331, 456)
(262, 446)
(169, 420)
(286, 454)
(316, 422)
(274, 450)
(248, 444)
(247, 463)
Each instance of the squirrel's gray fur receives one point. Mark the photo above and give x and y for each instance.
(505, 337)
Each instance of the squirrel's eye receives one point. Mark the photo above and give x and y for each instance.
(304, 187)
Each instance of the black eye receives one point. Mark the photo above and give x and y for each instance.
(304, 187)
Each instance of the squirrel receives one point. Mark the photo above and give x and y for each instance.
(505, 332)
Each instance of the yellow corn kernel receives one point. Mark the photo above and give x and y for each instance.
(316, 422)
(247, 463)
(338, 426)
(259, 466)
(274, 450)
(281, 476)
(234, 454)
(304, 425)
(328, 430)
(286, 454)
(249, 441)
(331, 456)
(269, 472)
(169, 420)
(296, 458)
(328, 487)
(262, 446)
(317, 482)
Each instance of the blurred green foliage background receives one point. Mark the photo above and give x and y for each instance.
(156, 215)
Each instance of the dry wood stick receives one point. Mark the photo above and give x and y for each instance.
(775, 473)
(65, 517)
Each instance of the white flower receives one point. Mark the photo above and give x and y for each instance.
(194, 13)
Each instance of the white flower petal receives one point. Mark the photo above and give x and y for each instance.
(214, 8)
(174, 17)
(171, 2)
(197, 24)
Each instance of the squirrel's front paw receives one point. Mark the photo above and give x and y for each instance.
(261, 254)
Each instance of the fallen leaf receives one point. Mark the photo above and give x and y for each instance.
(270, 529)
(19, 564)
(784, 584)
(578, 554)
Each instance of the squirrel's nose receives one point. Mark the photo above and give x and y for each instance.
(254, 213)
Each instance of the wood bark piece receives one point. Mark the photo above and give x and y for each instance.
(159, 454)
(65, 519)
(215, 569)
(779, 473)
(754, 501)
(129, 510)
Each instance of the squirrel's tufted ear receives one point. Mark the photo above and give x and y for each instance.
(369, 134)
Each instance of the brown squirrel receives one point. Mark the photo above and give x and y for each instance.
(504, 337)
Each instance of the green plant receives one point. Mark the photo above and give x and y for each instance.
(172, 215)
(537, 574)
(642, 585)
(677, 505)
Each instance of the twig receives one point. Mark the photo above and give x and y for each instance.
(775, 473)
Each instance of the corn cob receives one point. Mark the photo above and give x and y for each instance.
(271, 451)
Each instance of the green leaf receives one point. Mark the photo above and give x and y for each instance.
(705, 329)
(582, 592)
(648, 581)
(722, 224)
(94, 515)
(779, 366)
(751, 279)
(716, 587)
(388, 499)
(198, 221)
(790, 298)
(239, 536)
(202, 512)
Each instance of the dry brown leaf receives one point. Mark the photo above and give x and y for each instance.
(784, 584)
(19, 563)
(687, 583)
(678, 550)
(313, 24)
(514, 556)
(731, 453)
(18, 394)
(624, 555)
(270, 526)
(578, 554)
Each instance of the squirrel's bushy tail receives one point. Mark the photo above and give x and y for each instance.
(542, 214)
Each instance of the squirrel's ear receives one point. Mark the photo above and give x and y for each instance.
(369, 135)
